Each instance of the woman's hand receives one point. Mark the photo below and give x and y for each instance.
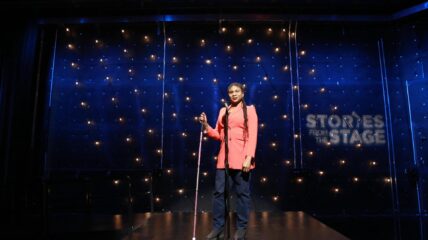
(247, 164)
(203, 120)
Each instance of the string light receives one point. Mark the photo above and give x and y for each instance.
(336, 190)
(128, 139)
(263, 179)
(311, 153)
(202, 43)
(287, 162)
(258, 59)
(387, 180)
(143, 110)
(150, 131)
(284, 116)
(235, 67)
(146, 39)
(187, 99)
(249, 41)
(180, 191)
(275, 97)
(90, 123)
(205, 174)
(84, 104)
(277, 49)
(262, 125)
(70, 46)
(373, 163)
(285, 68)
(305, 106)
(223, 29)
(169, 171)
(342, 162)
(152, 57)
(273, 144)
(116, 182)
(137, 159)
(67, 29)
(208, 61)
(228, 48)
(183, 134)
(215, 80)
(299, 180)
(97, 143)
(322, 90)
(303, 52)
(321, 173)
(240, 30)
(355, 179)
(275, 198)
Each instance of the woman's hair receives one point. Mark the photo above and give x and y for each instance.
(244, 106)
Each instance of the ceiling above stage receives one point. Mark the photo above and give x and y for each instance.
(127, 7)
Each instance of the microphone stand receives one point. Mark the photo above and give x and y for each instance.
(226, 175)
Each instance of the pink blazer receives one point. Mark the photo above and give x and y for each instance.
(239, 145)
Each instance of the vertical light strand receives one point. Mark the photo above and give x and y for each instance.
(292, 93)
(53, 68)
(45, 157)
(415, 163)
(389, 137)
(298, 94)
(163, 91)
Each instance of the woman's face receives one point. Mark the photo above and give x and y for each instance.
(235, 94)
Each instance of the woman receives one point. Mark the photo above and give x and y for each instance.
(242, 141)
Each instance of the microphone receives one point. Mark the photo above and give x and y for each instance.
(226, 105)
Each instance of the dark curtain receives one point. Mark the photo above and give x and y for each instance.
(22, 91)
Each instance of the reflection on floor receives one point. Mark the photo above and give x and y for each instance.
(160, 226)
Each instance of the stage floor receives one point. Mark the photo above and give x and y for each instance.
(163, 226)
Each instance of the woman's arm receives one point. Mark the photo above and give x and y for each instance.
(250, 147)
(215, 132)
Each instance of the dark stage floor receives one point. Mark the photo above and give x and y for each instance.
(262, 225)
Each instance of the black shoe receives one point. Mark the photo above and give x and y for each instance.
(240, 234)
(216, 234)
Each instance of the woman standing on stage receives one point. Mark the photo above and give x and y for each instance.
(242, 141)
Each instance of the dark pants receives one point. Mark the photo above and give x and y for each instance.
(241, 181)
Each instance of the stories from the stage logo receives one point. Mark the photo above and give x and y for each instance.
(350, 129)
